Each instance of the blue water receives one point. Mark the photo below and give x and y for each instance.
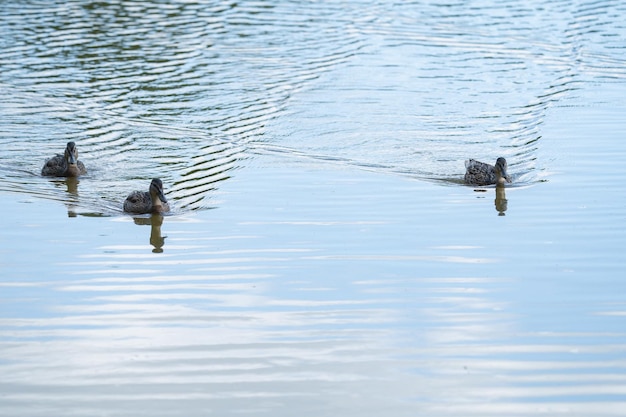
(323, 256)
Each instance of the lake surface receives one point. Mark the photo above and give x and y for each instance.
(323, 256)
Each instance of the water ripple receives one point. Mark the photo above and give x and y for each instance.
(155, 90)
(124, 79)
(279, 312)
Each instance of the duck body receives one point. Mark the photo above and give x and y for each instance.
(480, 173)
(151, 201)
(66, 165)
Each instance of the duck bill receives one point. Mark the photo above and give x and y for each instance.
(160, 197)
(71, 159)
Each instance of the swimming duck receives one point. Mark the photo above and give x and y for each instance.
(480, 173)
(151, 201)
(66, 165)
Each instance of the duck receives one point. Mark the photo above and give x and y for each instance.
(66, 165)
(151, 201)
(480, 173)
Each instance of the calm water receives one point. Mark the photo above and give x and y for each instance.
(323, 257)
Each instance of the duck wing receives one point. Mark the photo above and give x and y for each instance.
(479, 173)
(54, 166)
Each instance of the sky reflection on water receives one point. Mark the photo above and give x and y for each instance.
(316, 305)
(322, 257)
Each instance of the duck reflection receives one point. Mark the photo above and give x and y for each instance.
(156, 239)
(501, 201)
(72, 185)
(72, 189)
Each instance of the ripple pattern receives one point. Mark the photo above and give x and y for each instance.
(184, 90)
(430, 306)
(436, 84)
(178, 91)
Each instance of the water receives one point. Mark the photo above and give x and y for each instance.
(322, 257)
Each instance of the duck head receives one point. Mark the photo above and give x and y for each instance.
(71, 156)
(501, 171)
(156, 193)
